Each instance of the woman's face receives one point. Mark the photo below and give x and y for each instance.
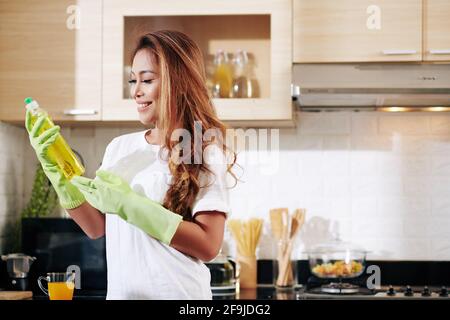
(144, 86)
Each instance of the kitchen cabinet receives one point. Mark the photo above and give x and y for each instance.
(357, 30)
(261, 27)
(51, 50)
(436, 30)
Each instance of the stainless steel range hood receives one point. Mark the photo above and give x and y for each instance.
(390, 87)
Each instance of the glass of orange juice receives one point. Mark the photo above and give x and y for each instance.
(60, 285)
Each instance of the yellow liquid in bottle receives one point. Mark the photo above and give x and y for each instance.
(60, 290)
(60, 152)
(223, 80)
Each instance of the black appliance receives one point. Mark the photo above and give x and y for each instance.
(58, 243)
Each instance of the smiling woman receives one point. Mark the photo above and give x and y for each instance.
(165, 212)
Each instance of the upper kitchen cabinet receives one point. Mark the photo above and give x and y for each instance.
(357, 30)
(263, 28)
(51, 50)
(436, 30)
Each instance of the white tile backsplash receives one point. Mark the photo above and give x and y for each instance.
(336, 143)
(440, 124)
(336, 163)
(439, 186)
(337, 186)
(364, 124)
(440, 248)
(341, 207)
(404, 207)
(364, 163)
(398, 249)
(364, 207)
(439, 145)
(440, 166)
(392, 165)
(373, 227)
(306, 186)
(322, 123)
(379, 180)
(364, 186)
(440, 206)
(418, 186)
(309, 142)
(416, 228)
(440, 227)
(365, 143)
(410, 145)
(404, 124)
(310, 163)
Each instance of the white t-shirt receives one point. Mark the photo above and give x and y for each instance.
(139, 266)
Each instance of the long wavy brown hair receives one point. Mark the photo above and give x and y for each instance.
(183, 100)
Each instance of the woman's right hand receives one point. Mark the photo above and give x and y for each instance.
(69, 196)
(41, 142)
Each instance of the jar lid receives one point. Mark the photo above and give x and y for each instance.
(336, 246)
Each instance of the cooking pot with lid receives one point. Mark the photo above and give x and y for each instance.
(337, 260)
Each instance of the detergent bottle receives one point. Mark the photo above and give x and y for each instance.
(59, 152)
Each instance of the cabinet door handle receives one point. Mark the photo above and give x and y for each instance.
(398, 52)
(441, 51)
(80, 112)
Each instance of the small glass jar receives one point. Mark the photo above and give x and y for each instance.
(284, 266)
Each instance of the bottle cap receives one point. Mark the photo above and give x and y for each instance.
(28, 100)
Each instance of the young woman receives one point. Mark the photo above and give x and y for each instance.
(164, 190)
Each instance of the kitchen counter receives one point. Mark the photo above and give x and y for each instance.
(16, 295)
(79, 295)
(262, 292)
(266, 292)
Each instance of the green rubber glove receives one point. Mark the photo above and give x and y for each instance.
(69, 196)
(111, 194)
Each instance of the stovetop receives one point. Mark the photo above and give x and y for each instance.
(266, 292)
(385, 292)
(357, 288)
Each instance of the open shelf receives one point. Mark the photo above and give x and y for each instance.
(227, 32)
(262, 28)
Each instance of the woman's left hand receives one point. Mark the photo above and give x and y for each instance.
(111, 194)
(107, 192)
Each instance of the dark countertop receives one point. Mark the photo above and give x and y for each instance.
(78, 295)
(264, 292)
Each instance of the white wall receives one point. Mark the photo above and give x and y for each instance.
(381, 180)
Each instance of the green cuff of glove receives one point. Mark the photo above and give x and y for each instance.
(72, 204)
(69, 196)
(111, 194)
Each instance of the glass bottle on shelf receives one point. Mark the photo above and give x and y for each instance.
(242, 85)
(223, 75)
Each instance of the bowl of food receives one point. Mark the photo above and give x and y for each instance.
(337, 260)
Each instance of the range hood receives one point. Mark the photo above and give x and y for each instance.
(372, 86)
